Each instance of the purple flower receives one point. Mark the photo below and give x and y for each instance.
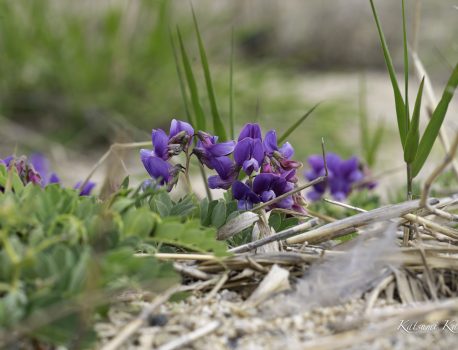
(41, 164)
(250, 130)
(270, 146)
(342, 175)
(160, 142)
(178, 127)
(270, 186)
(265, 187)
(25, 171)
(208, 148)
(249, 154)
(166, 146)
(227, 174)
(178, 140)
(87, 189)
(7, 161)
(156, 167)
(180, 136)
(245, 196)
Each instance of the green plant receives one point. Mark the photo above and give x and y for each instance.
(416, 149)
(64, 257)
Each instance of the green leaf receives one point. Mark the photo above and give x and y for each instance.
(190, 235)
(184, 207)
(219, 214)
(139, 222)
(434, 125)
(413, 136)
(218, 125)
(406, 67)
(399, 102)
(296, 125)
(162, 204)
(198, 111)
(125, 183)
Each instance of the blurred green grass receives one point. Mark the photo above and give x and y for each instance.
(82, 74)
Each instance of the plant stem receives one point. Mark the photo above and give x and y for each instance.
(186, 172)
(407, 230)
(204, 178)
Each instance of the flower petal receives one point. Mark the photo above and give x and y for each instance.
(257, 151)
(314, 195)
(178, 125)
(267, 195)
(216, 181)
(54, 179)
(252, 130)
(224, 166)
(316, 162)
(240, 190)
(348, 166)
(250, 165)
(222, 149)
(41, 165)
(286, 150)
(270, 142)
(263, 182)
(242, 151)
(333, 161)
(160, 142)
(157, 168)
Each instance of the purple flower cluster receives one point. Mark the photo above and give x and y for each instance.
(256, 169)
(343, 176)
(269, 170)
(36, 170)
(166, 146)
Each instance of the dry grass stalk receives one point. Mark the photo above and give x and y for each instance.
(187, 339)
(449, 158)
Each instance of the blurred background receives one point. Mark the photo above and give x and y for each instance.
(76, 76)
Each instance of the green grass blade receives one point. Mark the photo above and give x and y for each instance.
(406, 67)
(399, 102)
(413, 136)
(231, 89)
(434, 125)
(293, 127)
(218, 125)
(184, 94)
(198, 111)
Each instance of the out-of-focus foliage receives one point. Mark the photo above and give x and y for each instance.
(69, 64)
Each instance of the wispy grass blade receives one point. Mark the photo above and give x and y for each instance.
(375, 144)
(293, 127)
(413, 136)
(406, 66)
(435, 123)
(198, 111)
(218, 125)
(363, 128)
(231, 89)
(399, 102)
(184, 94)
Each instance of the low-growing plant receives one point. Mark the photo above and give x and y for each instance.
(63, 256)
